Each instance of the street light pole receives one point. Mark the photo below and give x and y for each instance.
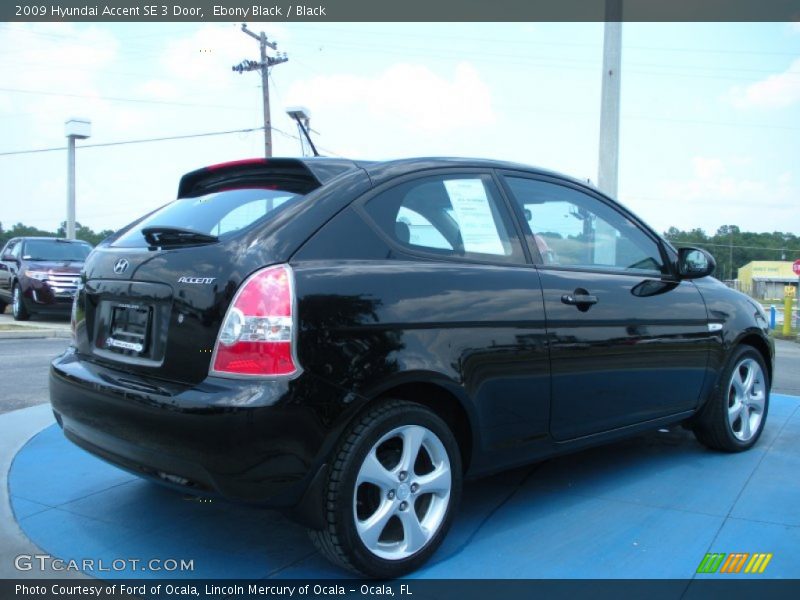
(75, 129)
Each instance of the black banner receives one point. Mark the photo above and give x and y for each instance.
(406, 11)
(412, 589)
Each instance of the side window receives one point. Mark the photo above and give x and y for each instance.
(453, 215)
(15, 250)
(577, 230)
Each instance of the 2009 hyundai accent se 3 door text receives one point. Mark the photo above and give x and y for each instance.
(347, 341)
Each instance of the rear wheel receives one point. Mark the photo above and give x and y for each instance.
(392, 491)
(735, 416)
(18, 308)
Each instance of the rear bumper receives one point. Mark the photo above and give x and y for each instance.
(260, 442)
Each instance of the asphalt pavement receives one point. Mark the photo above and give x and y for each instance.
(787, 368)
(23, 370)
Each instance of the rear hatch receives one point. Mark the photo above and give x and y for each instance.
(154, 294)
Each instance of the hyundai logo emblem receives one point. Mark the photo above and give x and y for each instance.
(120, 266)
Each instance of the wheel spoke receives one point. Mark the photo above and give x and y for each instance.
(746, 432)
(735, 411)
(749, 379)
(414, 535)
(435, 482)
(413, 437)
(738, 384)
(371, 529)
(757, 402)
(372, 471)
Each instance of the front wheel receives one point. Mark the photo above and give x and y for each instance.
(392, 491)
(736, 414)
(18, 308)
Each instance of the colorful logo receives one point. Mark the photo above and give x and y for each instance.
(736, 562)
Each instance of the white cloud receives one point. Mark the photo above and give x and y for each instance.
(722, 191)
(208, 54)
(713, 183)
(411, 94)
(159, 89)
(776, 91)
(56, 58)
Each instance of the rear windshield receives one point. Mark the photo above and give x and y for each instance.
(220, 214)
(55, 250)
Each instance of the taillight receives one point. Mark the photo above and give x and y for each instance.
(256, 337)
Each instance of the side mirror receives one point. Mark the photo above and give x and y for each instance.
(694, 263)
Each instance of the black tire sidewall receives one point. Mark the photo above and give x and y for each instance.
(721, 411)
(361, 557)
(22, 314)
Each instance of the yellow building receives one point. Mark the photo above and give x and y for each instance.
(766, 278)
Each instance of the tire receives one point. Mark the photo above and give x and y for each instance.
(18, 308)
(735, 415)
(373, 478)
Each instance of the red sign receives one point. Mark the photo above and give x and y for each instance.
(796, 267)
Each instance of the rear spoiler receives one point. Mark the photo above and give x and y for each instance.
(299, 175)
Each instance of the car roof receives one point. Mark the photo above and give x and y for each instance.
(382, 170)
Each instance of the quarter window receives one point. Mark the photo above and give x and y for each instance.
(456, 215)
(573, 229)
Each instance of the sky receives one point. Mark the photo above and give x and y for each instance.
(710, 128)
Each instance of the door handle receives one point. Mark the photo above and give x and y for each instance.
(576, 299)
(580, 298)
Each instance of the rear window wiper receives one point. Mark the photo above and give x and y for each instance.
(176, 236)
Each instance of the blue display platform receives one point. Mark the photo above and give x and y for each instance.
(648, 507)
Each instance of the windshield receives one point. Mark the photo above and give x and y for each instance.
(219, 214)
(55, 250)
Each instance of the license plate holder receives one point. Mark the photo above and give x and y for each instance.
(130, 328)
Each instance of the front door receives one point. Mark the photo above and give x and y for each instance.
(628, 343)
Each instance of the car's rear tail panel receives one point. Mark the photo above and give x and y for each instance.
(157, 311)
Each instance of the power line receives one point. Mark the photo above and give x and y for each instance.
(487, 40)
(141, 141)
(120, 99)
(164, 139)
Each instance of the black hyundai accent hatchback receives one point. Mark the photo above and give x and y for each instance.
(348, 341)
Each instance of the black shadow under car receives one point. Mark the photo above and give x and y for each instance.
(348, 341)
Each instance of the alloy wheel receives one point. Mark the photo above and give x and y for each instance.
(402, 492)
(747, 394)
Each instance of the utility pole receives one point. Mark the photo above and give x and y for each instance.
(730, 251)
(264, 66)
(608, 163)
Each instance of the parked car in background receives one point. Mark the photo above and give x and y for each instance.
(40, 275)
(348, 341)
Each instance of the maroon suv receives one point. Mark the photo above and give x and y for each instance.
(40, 275)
